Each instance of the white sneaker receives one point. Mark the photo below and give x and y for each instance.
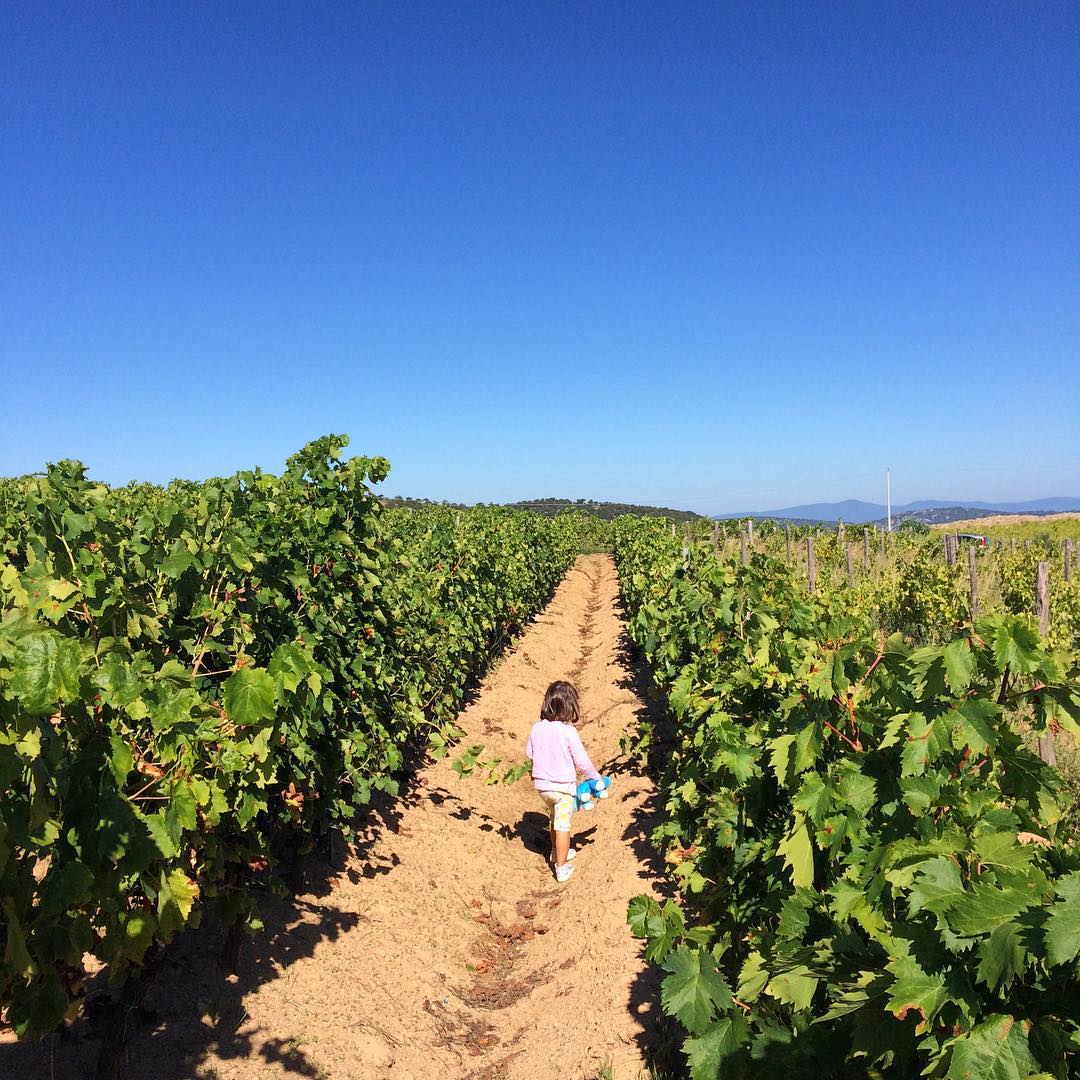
(562, 873)
(569, 855)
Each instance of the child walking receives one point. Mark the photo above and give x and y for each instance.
(557, 756)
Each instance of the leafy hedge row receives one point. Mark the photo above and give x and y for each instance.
(871, 882)
(199, 679)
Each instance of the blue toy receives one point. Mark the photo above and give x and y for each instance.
(590, 790)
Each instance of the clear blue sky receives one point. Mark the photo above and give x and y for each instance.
(717, 256)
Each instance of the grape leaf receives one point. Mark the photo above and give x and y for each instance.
(975, 723)
(798, 854)
(139, 927)
(959, 663)
(120, 681)
(937, 887)
(996, 1049)
(814, 798)
(984, 906)
(914, 990)
(1002, 956)
(644, 916)
(248, 695)
(177, 562)
(694, 989)
(706, 1053)
(795, 988)
(45, 670)
(176, 897)
(1016, 645)
(1063, 924)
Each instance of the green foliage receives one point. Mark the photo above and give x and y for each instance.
(867, 854)
(601, 511)
(916, 528)
(198, 679)
(924, 598)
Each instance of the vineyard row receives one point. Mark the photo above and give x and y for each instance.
(199, 681)
(876, 876)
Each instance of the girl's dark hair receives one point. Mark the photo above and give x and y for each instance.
(561, 703)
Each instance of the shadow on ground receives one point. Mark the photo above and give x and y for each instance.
(194, 1008)
(661, 1039)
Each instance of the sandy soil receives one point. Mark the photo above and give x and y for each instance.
(443, 948)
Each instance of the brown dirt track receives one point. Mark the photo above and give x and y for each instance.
(443, 948)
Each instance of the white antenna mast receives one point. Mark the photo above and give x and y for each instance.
(888, 498)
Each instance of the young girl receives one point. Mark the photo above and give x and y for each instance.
(557, 755)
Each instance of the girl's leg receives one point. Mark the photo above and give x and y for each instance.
(551, 836)
(562, 847)
(564, 812)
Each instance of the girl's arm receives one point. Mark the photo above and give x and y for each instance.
(580, 757)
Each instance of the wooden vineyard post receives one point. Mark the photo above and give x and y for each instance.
(716, 537)
(1042, 610)
(811, 566)
(1027, 545)
(787, 536)
(750, 531)
(950, 550)
(673, 529)
(688, 541)
(850, 568)
(1042, 597)
(973, 581)
(866, 546)
(840, 532)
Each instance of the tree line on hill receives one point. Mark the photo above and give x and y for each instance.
(552, 507)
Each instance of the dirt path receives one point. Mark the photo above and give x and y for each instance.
(445, 949)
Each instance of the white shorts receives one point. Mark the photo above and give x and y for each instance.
(560, 809)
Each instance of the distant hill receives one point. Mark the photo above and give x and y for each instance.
(552, 507)
(856, 512)
(853, 511)
(937, 515)
(417, 504)
(1057, 505)
(607, 510)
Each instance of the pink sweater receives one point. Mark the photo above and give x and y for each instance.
(557, 756)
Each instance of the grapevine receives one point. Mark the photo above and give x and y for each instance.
(200, 680)
(871, 877)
